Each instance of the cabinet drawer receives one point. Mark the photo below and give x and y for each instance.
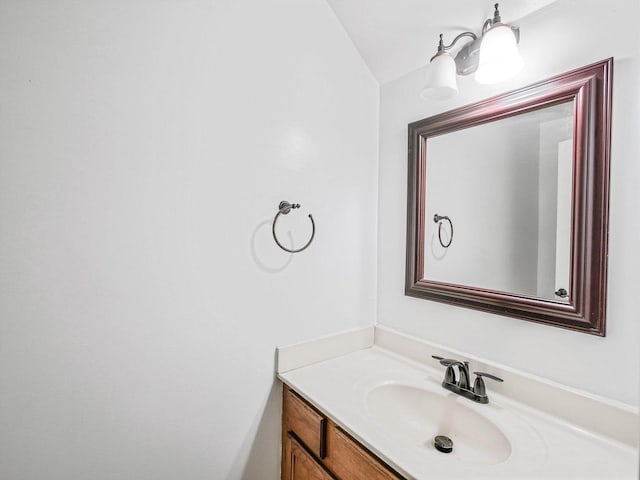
(349, 460)
(305, 422)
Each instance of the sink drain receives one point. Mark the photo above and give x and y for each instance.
(443, 444)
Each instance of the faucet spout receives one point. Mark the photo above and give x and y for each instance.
(463, 371)
(464, 381)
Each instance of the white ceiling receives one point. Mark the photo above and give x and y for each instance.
(396, 37)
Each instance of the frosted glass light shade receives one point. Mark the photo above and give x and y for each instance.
(499, 59)
(441, 78)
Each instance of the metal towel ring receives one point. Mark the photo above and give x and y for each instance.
(284, 208)
(438, 219)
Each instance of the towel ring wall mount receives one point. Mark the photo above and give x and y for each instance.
(283, 209)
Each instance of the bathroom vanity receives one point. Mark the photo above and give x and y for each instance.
(369, 404)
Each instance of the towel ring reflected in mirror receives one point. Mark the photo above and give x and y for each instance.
(438, 219)
(283, 209)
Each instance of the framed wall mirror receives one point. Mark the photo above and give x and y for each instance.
(508, 200)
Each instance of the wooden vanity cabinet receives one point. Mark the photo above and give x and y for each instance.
(315, 448)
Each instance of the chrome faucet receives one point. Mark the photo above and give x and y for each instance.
(463, 386)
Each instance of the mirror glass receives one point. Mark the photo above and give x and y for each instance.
(505, 189)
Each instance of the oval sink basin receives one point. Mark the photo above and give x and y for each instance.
(418, 415)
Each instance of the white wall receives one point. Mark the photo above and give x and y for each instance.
(144, 147)
(558, 38)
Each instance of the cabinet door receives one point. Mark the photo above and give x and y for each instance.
(302, 466)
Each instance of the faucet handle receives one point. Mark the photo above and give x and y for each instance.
(447, 362)
(478, 385)
(488, 375)
(449, 374)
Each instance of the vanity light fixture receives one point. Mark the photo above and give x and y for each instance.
(493, 57)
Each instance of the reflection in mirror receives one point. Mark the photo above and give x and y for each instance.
(506, 187)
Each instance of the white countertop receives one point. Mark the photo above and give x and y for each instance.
(553, 449)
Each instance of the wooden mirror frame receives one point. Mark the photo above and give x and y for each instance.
(590, 90)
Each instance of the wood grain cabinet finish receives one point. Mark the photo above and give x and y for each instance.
(314, 447)
(309, 425)
(350, 460)
(302, 466)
